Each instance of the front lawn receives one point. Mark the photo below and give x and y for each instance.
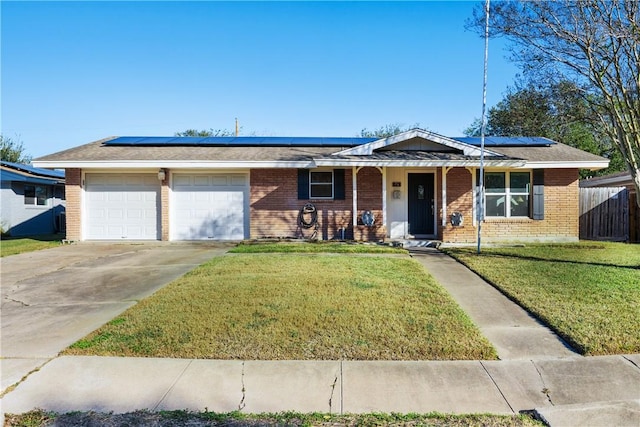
(589, 293)
(18, 245)
(274, 306)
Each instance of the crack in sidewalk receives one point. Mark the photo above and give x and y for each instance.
(544, 390)
(333, 389)
(24, 304)
(241, 405)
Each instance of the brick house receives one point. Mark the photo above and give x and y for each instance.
(415, 185)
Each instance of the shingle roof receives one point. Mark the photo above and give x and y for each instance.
(557, 152)
(102, 151)
(98, 151)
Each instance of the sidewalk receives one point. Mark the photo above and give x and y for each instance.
(501, 387)
(536, 371)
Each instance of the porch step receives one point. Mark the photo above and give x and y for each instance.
(415, 243)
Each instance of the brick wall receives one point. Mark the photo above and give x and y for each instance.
(369, 198)
(561, 216)
(274, 206)
(459, 199)
(164, 208)
(73, 195)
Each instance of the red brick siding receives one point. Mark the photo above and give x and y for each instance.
(164, 208)
(459, 199)
(73, 195)
(370, 199)
(274, 206)
(561, 218)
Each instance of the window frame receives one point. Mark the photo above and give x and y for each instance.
(508, 194)
(35, 199)
(318, 184)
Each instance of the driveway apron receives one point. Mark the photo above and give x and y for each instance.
(52, 298)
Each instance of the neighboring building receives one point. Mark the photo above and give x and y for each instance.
(417, 184)
(32, 200)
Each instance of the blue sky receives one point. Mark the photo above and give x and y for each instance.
(75, 72)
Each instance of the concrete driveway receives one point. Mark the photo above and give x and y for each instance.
(52, 298)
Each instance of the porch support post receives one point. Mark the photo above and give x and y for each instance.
(474, 208)
(445, 170)
(354, 180)
(383, 172)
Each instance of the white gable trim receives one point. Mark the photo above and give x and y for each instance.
(369, 148)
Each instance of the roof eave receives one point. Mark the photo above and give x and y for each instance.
(176, 164)
(580, 164)
(416, 163)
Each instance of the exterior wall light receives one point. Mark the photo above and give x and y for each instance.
(162, 174)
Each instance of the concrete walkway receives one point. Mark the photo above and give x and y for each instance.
(537, 372)
(512, 330)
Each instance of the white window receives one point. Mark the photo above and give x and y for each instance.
(35, 195)
(507, 194)
(321, 185)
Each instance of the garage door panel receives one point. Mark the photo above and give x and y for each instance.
(122, 206)
(209, 207)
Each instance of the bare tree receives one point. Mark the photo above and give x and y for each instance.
(595, 44)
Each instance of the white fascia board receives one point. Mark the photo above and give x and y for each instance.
(172, 164)
(368, 149)
(510, 163)
(592, 165)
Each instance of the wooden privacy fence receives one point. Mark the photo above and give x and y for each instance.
(604, 213)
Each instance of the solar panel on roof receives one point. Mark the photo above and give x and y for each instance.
(238, 141)
(507, 141)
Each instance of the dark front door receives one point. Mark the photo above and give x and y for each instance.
(421, 203)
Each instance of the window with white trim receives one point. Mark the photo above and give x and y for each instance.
(35, 195)
(507, 194)
(321, 184)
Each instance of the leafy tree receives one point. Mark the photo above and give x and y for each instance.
(556, 112)
(13, 151)
(593, 43)
(206, 132)
(386, 130)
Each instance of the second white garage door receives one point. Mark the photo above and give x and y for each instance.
(209, 207)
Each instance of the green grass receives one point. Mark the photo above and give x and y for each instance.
(315, 247)
(589, 293)
(18, 245)
(296, 307)
(39, 418)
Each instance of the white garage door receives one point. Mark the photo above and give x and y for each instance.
(121, 206)
(209, 206)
